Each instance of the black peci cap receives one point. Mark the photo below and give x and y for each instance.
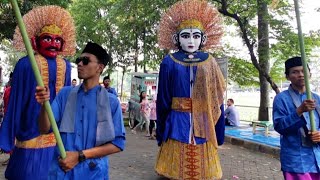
(98, 51)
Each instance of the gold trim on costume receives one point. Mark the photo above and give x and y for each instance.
(182, 104)
(44, 71)
(190, 64)
(42, 141)
(61, 71)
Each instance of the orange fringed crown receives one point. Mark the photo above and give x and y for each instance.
(48, 19)
(190, 14)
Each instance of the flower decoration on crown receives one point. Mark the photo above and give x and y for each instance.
(52, 20)
(185, 14)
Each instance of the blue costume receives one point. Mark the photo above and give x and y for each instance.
(170, 123)
(84, 136)
(190, 116)
(298, 154)
(30, 158)
(112, 91)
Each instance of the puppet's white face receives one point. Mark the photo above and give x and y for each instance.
(190, 40)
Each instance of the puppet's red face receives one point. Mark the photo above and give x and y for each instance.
(49, 45)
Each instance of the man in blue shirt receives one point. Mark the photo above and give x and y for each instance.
(106, 83)
(300, 150)
(232, 114)
(89, 120)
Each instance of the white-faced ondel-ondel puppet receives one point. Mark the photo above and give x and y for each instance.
(190, 93)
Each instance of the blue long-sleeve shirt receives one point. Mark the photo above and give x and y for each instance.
(84, 136)
(293, 156)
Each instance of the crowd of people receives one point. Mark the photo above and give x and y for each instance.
(187, 117)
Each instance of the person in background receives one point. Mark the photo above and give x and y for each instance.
(190, 93)
(89, 120)
(144, 114)
(232, 114)
(52, 34)
(74, 83)
(106, 83)
(6, 96)
(299, 147)
(153, 118)
(1, 107)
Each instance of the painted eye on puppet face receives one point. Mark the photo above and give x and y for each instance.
(49, 39)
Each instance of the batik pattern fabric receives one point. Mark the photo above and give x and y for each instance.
(188, 162)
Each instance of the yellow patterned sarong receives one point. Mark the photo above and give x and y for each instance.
(182, 161)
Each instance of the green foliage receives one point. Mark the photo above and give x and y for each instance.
(238, 67)
(281, 33)
(128, 30)
(7, 18)
(12, 56)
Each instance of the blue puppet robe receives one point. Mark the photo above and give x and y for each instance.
(21, 122)
(172, 124)
(84, 136)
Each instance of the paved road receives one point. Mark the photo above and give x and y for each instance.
(137, 161)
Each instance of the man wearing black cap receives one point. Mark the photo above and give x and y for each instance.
(106, 83)
(89, 120)
(300, 150)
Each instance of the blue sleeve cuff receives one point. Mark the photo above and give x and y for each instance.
(120, 142)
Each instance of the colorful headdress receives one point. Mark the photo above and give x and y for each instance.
(48, 19)
(190, 14)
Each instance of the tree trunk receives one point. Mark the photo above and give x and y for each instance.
(263, 53)
(136, 55)
(124, 69)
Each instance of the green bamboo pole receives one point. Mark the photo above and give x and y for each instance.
(37, 75)
(304, 62)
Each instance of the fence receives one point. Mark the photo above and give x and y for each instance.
(250, 113)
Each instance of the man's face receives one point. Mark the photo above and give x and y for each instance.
(296, 76)
(88, 66)
(74, 83)
(49, 45)
(106, 82)
(229, 103)
(190, 40)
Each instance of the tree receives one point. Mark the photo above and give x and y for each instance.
(255, 36)
(138, 20)
(12, 56)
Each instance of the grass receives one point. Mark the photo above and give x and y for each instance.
(248, 104)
